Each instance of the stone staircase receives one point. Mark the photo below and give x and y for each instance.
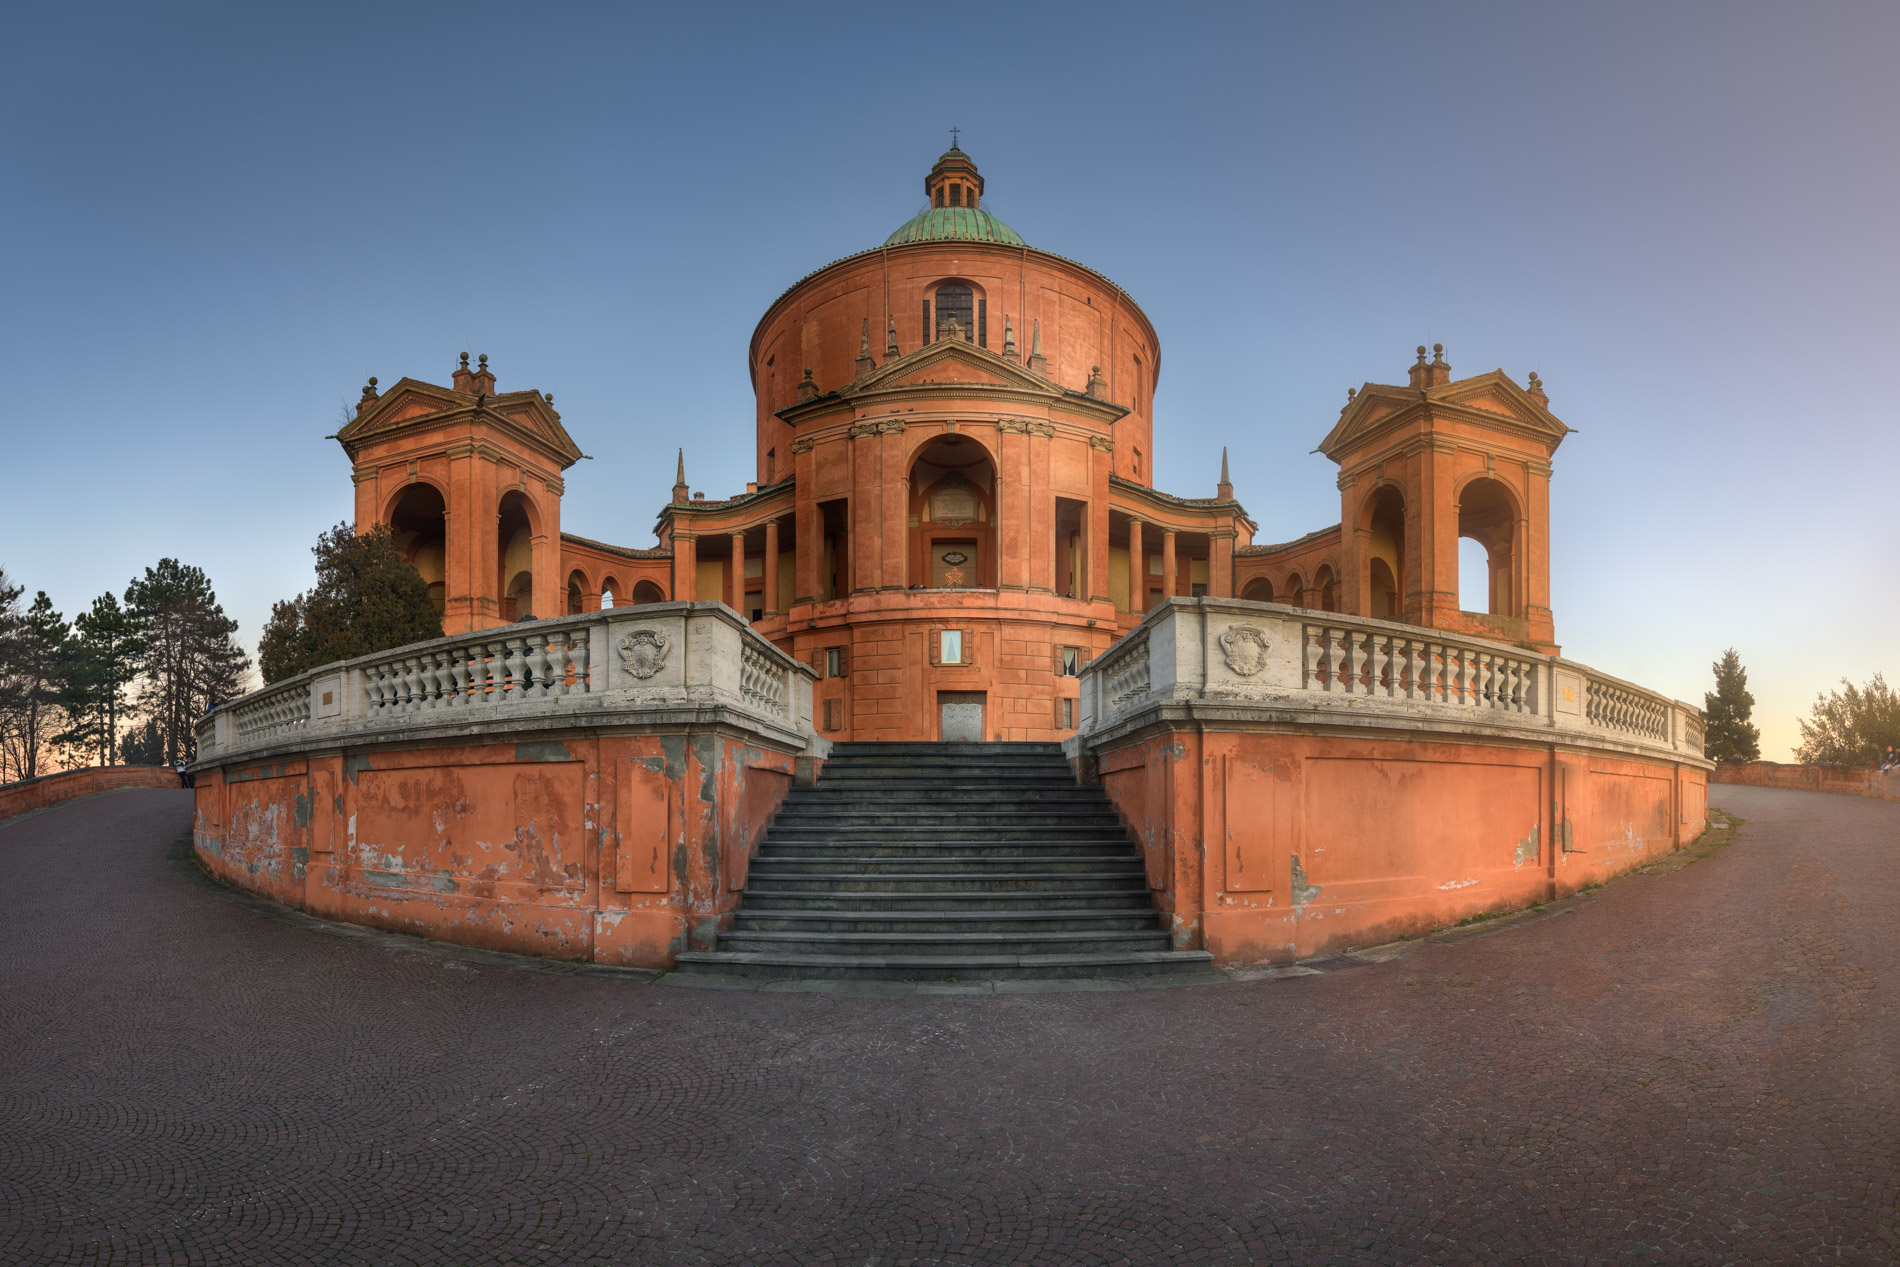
(946, 862)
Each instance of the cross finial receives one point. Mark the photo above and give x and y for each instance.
(953, 137)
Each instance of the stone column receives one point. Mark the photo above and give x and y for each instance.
(1137, 569)
(685, 567)
(1101, 454)
(1167, 563)
(771, 565)
(1039, 439)
(737, 588)
(1220, 563)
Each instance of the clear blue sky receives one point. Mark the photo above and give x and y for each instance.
(220, 219)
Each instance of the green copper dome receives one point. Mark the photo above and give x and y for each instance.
(954, 224)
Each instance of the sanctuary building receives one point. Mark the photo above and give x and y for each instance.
(955, 508)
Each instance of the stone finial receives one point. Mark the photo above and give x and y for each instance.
(807, 390)
(680, 494)
(1421, 372)
(1440, 371)
(865, 363)
(465, 360)
(1535, 387)
(890, 337)
(464, 380)
(369, 395)
(483, 379)
(1009, 338)
(1098, 386)
(1037, 361)
(1225, 490)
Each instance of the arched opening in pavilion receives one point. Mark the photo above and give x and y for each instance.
(1258, 590)
(953, 505)
(419, 525)
(610, 593)
(1328, 588)
(576, 592)
(1293, 592)
(1487, 528)
(514, 558)
(646, 592)
(1385, 554)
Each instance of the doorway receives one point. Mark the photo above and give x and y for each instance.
(960, 716)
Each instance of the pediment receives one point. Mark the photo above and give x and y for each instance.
(1480, 398)
(953, 361)
(411, 405)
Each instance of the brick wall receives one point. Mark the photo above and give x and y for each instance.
(1811, 778)
(51, 789)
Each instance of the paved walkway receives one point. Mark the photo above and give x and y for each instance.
(1696, 1066)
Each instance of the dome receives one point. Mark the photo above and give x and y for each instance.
(954, 224)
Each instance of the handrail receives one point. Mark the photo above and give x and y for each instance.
(1325, 666)
(657, 656)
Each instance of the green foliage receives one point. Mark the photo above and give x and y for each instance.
(143, 745)
(1728, 735)
(189, 660)
(98, 662)
(1851, 726)
(367, 599)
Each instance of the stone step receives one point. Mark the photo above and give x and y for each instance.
(1110, 899)
(950, 789)
(817, 942)
(1043, 919)
(967, 881)
(821, 833)
(971, 817)
(815, 850)
(1121, 862)
(964, 967)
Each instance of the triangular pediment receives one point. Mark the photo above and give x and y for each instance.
(953, 361)
(1488, 397)
(412, 405)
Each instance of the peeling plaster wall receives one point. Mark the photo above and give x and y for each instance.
(616, 848)
(1266, 847)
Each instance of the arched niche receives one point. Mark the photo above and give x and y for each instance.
(576, 592)
(647, 592)
(1259, 590)
(514, 556)
(958, 304)
(1327, 584)
(1293, 591)
(1488, 516)
(952, 516)
(1384, 564)
(418, 522)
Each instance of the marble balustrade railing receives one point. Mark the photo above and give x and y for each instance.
(1238, 658)
(607, 667)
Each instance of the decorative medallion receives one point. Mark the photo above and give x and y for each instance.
(1245, 648)
(955, 558)
(643, 652)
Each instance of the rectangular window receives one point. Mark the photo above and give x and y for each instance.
(1197, 589)
(1068, 661)
(930, 335)
(834, 714)
(1068, 713)
(983, 323)
(950, 646)
(834, 661)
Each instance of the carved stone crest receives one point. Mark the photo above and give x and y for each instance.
(643, 652)
(1245, 648)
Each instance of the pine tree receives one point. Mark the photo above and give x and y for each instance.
(189, 660)
(1852, 726)
(143, 745)
(367, 599)
(11, 759)
(97, 662)
(1726, 709)
(35, 684)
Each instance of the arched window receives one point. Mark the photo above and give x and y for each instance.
(956, 303)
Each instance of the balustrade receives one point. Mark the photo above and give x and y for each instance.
(1401, 666)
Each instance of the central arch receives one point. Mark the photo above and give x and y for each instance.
(1384, 521)
(418, 521)
(953, 508)
(1487, 515)
(514, 557)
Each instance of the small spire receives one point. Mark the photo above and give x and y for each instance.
(1009, 338)
(680, 493)
(890, 337)
(1223, 465)
(1225, 490)
(807, 390)
(1037, 361)
(865, 363)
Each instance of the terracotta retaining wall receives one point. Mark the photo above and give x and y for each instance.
(1811, 778)
(50, 789)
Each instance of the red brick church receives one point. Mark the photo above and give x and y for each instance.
(955, 506)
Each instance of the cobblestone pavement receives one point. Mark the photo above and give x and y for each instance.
(1696, 1066)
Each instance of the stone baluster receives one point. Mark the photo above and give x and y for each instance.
(511, 668)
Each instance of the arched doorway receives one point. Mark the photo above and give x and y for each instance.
(1385, 554)
(1259, 590)
(576, 593)
(1293, 593)
(419, 525)
(647, 592)
(514, 558)
(1487, 516)
(610, 592)
(1328, 589)
(953, 504)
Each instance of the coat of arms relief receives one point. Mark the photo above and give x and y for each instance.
(1245, 648)
(643, 652)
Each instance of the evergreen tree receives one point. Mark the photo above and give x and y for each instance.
(143, 745)
(367, 598)
(97, 662)
(1726, 709)
(189, 661)
(11, 759)
(34, 683)
(1852, 726)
